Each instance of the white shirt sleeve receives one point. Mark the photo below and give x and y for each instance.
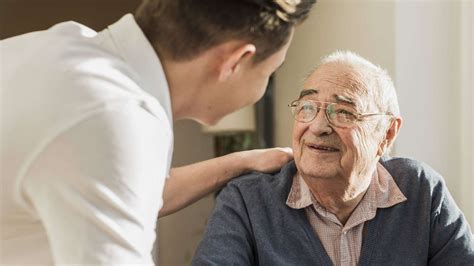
(97, 188)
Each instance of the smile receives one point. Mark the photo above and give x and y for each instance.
(321, 148)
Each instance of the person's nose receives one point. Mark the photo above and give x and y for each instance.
(320, 124)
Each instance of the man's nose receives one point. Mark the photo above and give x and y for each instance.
(320, 124)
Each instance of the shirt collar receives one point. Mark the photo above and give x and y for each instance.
(136, 50)
(387, 192)
(383, 192)
(300, 195)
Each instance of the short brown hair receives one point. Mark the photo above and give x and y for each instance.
(182, 29)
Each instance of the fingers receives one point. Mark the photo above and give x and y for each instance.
(266, 160)
(287, 150)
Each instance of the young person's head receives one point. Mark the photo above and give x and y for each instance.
(247, 39)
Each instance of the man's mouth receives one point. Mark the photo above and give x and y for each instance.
(322, 148)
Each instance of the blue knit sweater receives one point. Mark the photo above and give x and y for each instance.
(252, 225)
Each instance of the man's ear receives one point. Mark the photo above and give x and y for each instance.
(232, 61)
(390, 136)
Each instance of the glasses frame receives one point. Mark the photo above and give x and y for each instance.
(359, 116)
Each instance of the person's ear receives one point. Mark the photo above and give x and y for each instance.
(233, 60)
(390, 136)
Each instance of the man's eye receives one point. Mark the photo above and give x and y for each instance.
(343, 112)
(307, 108)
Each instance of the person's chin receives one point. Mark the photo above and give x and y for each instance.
(209, 120)
(317, 173)
(317, 168)
(321, 157)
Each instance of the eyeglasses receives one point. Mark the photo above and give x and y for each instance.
(339, 115)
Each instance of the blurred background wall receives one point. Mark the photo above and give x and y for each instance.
(426, 46)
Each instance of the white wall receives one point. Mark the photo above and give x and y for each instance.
(426, 46)
(434, 80)
(467, 111)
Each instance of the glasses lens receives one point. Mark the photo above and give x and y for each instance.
(304, 111)
(341, 115)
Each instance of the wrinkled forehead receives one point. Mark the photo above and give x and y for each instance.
(338, 82)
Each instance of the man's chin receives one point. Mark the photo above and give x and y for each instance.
(316, 172)
(321, 159)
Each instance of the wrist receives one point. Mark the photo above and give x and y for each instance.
(241, 162)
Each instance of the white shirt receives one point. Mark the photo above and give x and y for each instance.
(86, 145)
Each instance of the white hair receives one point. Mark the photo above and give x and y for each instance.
(382, 88)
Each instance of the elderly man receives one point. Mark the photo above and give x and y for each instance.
(340, 202)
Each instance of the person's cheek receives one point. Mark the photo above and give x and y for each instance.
(297, 138)
(356, 146)
(349, 157)
(365, 147)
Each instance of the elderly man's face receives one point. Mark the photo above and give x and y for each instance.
(322, 150)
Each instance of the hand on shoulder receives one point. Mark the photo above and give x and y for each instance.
(266, 160)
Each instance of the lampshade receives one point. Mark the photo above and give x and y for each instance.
(241, 120)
